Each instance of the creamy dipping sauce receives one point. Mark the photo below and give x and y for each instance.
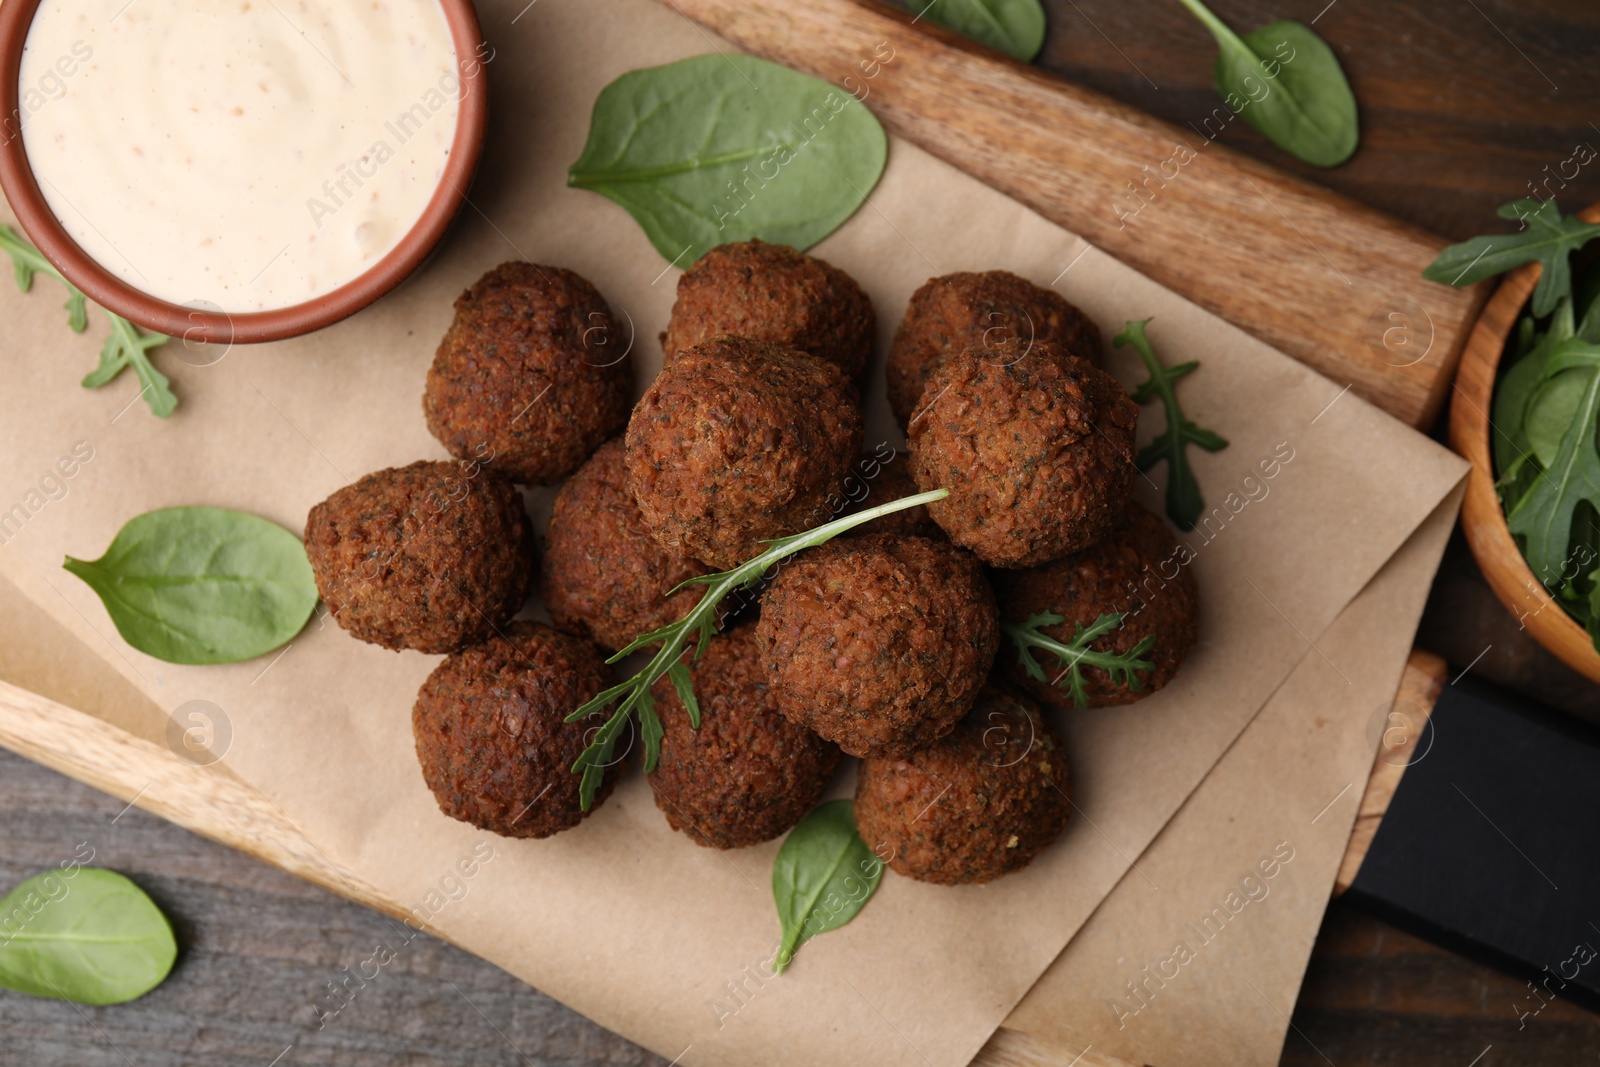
(246, 155)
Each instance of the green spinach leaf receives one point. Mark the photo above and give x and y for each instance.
(1184, 503)
(1544, 515)
(823, 876)
(1015, 27)
(1546, 238)
(721, 148)
(83, 934)
(1288, 84)
(203, 585)
(126, 346)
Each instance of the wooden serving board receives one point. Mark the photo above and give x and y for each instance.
(1333, 283)
(213, 803)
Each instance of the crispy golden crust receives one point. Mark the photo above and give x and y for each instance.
(879, 643)
(739, 442)
(747, 774)
(1136, 569)
(982, 802)
(955, 312)
(531, 376)
(490, 733)
(603, 576)
(429, 557)
(1036, 450)
(772, 293)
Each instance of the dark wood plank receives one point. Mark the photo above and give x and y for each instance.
(257, 948)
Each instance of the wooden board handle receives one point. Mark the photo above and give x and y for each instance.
(1332, 283)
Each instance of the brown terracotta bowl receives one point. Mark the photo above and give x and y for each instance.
(111, 292)
(1482, 518)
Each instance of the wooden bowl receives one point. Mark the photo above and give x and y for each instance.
(110, 291)
(1482, 518)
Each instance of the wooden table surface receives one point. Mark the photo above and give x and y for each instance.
(1463, 103)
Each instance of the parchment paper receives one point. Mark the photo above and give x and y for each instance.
(1290, 785)
(622, 919)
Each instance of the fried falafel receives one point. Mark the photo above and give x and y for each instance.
(492, 736)
(772, 293)
(1124, 572)
(879, 644)
(738, 442)
(956, 312)
(1035, 446)
(982, 802)
(602, 575)
(431, 557)
(531, 376)
(747, 774)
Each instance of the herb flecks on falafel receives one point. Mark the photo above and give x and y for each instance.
(881, 643)
(747, 774)
(953, 313)
(492, 733)
(772, 293)
(982, 802)
(531, 376)
(430, 557)
(1035, 446)
(739, 442)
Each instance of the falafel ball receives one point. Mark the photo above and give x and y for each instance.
(982, 802)
(428, 557)
(603, 576)
(737, 442)
(876, 481)
(491, 733)
(1125, 571)
(879, 644)
(955, 312)
(747, 774)
(1036, 450)
(531, 376)
(776, 294)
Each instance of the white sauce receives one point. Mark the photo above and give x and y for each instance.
(249, 154)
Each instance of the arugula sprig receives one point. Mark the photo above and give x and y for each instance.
(634, 694)
(1184, 503)
(1546, 238)
(1072, 656)
(1544, 514)
(126, 346)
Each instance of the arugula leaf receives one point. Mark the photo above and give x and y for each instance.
(720, 148)
(1072, 656)
(1544, 515)
(1184, 503)
(127, 345)
(1306, 107)
(1518, 386)
(1546, 238)
(823, 876)
(1015, 27)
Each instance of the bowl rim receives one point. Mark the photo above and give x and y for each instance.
(1483, 520)
(200, 325)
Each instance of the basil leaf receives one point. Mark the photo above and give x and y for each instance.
(1015, 27)
(1288, 84)
(721, 148)
(203, 585)
(1544, 515)
(1546, 238)
(83, 934)
(823, 876)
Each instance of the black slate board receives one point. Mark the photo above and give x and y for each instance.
(1491, 846)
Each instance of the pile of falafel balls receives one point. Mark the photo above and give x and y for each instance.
(881, 644)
